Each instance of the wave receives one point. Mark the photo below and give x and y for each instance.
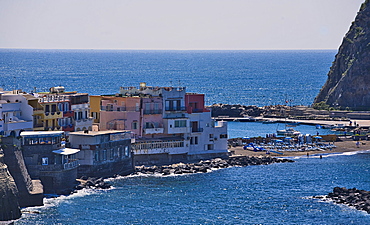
(54, 200)
(326, 155)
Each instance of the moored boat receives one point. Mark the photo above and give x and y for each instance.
(288, 132)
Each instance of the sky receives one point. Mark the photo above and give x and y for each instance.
(176, 24)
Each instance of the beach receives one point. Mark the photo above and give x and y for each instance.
(347, 145)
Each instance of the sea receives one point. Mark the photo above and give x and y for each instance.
(268, 194)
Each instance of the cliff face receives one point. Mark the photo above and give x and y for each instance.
(9, 207)
(348, 83)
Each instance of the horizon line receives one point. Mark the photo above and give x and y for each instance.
(138, 49)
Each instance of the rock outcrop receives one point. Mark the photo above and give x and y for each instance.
(348, 83)
(359, 199)
(9, 206)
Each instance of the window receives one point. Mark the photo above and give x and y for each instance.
(96, 156)
(45, 161)
(134, 125)
(104, 154)
(127, 152)
(210, 135)
(147, 108)
(180, 123)
(195, 140)
(111, 153)
(209, 147)
(223, 135)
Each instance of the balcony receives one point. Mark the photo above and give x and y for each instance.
(175, 109)
(71, 165)
(153, 130)
(153, 111)
(196, 130)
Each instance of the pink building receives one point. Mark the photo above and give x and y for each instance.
(120, 113)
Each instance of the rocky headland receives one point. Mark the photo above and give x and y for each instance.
(348, 83)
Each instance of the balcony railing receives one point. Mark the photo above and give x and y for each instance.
(71, 165)
(153, 111)
(183, 108)
(153, 130)
(195, 130)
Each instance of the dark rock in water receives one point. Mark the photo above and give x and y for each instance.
(206, 166)
(348, 83)
(360, 199)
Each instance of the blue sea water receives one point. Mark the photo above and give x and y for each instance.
(230, 77)
(272, 194)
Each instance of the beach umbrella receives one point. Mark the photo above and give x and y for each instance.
(288, 138)
(318, 137)
(246, 138)
(278, 140)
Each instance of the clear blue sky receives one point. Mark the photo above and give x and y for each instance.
(175, 24)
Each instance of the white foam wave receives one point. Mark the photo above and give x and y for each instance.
(54, 200)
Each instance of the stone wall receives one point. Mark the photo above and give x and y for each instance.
(30, 193)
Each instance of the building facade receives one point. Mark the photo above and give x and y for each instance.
(47, 159)
(15, 114)
(103, 153)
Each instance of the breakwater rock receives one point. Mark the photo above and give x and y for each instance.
(92, 182)
(219, 110)
(359, 199)
(208, 165)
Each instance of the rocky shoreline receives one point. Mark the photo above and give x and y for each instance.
(359, 199)
(180, 168)
(207, 165)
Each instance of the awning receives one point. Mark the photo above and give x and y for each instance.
(66, 151)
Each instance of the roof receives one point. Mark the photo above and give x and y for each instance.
(66, 151)
(96, 133)
(41, 133)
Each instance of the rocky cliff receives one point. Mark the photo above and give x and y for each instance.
(9, 207)
(348, 83)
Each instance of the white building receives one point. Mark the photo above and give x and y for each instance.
(15, 114)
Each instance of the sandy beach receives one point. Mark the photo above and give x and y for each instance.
(342, 146)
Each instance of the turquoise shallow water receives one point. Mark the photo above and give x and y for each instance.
(255, 129)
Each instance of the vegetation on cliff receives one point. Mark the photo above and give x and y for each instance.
(348, 83)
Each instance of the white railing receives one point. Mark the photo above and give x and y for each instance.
(71, 165)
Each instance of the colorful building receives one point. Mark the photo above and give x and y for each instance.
(66, 111)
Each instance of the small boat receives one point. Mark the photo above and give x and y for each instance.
(268, 121)
(292, 124)
(288, 132)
